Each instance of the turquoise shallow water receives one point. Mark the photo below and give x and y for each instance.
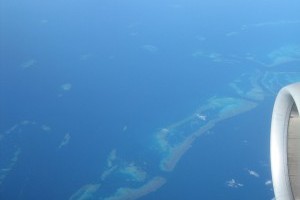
(145, 100)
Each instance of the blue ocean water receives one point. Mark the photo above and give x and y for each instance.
(115, 100)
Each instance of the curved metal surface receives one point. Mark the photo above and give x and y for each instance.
(285, 143)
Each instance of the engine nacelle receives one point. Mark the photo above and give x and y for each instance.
(285, 144)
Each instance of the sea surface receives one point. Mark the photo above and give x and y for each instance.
(140, 99)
